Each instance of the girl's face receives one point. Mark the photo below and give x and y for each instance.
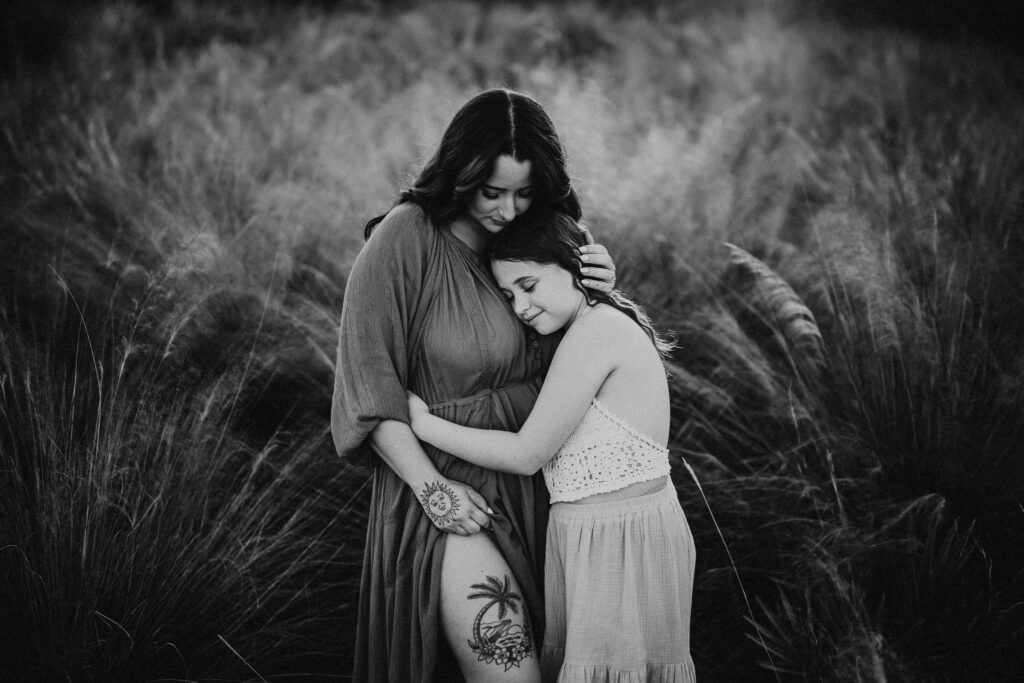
(503, 196)
(542, 295)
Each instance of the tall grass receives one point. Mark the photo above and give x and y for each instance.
(146, 539)
(183, 197)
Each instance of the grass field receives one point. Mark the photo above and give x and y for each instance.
(183, 191)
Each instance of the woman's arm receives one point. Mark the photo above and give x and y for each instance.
(584, 359)
(451, 506)
(368, 405)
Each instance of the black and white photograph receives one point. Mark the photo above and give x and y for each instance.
(512, 341)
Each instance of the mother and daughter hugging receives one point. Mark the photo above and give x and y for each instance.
(482, 342)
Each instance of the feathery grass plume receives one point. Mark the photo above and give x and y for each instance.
(911, 326)
(757, 415)
(759, 458)
(756, 290)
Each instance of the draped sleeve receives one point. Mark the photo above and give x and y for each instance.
(381, 297)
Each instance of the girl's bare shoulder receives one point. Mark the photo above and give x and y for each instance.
(605, 327)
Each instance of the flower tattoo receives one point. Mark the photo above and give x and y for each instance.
(440, 503)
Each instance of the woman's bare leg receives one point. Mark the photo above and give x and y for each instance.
(484, 615)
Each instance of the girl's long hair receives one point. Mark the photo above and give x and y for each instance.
(554, 238)
(494, 123)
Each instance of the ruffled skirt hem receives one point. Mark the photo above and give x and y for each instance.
(682, 672)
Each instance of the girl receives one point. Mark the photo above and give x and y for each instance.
(618, 572)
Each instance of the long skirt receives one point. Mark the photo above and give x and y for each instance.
(618, 581)
(398, 633)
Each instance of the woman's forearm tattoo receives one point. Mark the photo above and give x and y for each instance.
(440, 503)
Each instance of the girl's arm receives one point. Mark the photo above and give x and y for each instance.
(450, 505)
(584, 359)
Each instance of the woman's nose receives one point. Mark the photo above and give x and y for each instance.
(507, 208)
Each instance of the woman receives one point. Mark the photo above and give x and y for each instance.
(619, 563)
(438, 599)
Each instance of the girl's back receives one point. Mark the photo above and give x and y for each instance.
(636, 390)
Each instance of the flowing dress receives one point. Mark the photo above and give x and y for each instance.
(422, 312)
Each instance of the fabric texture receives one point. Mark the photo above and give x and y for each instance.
(618, 580)
(422, 312)
(601, 455)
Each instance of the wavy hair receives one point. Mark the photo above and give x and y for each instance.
(494, 123)
(555, 239)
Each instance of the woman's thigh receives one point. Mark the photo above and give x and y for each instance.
(484, 616)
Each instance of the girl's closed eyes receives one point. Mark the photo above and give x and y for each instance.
(544, 296)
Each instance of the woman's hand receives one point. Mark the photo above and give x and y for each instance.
(598, 269)
(453, 507)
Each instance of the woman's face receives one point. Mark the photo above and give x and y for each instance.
(503, 196)
(542, 295)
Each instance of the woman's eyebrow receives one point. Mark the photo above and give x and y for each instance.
(502, 189)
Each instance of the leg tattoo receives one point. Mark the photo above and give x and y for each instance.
(499, 641)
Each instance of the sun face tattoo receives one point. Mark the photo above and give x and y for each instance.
(440, 503)
(498, 640)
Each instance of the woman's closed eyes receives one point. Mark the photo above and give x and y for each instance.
(492, 194)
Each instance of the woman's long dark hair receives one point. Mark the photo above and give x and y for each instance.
(492, 124)
(554, 238)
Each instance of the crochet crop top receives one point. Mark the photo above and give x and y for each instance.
(602, 454)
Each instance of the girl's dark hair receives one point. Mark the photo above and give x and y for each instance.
(492, 124)
(554, 238)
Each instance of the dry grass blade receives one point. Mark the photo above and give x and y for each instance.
(757, 288)
(707, 396)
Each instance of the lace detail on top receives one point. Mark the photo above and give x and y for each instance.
(602, 454)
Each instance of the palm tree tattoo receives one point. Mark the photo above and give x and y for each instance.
(440, 503)
(499, 641)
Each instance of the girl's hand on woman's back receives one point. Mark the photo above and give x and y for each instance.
(418, 409)
(452, 507)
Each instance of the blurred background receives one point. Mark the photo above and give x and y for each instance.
(183, 188)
